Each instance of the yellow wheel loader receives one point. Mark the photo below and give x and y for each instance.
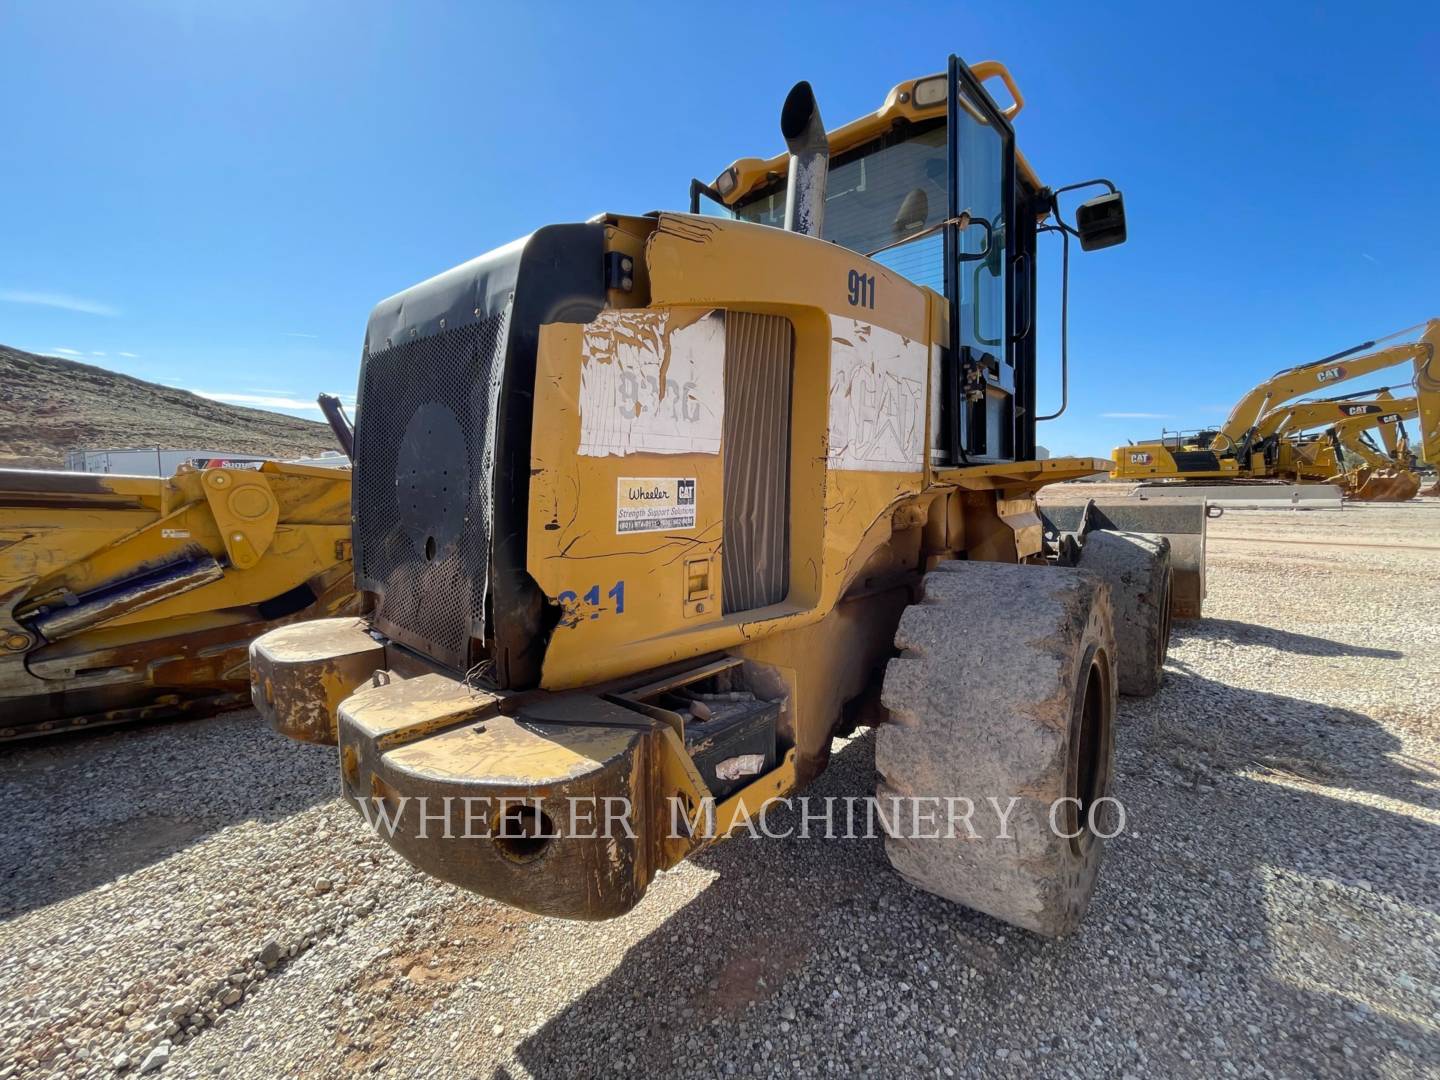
(1241, 449)
(648, 509)
(130, 597)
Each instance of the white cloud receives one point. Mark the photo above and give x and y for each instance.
(129, 355)
(58, 300)
(1371, 258)
(1136, 415)
(264, 401)
(97, 354)
(68, 352)
(292, 333)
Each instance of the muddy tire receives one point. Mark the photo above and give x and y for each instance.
(1004, 689)
(1136, 566)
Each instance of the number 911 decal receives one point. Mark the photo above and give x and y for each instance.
(861, 289)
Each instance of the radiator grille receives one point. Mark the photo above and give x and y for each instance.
(755, 557)
(424, 457)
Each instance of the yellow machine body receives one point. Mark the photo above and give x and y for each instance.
(1244, 446)
(130, 597)
(734, 483)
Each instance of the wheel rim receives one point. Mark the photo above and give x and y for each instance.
(1091, 727)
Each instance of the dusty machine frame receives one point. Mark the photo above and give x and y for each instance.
(702, 467)
(126, 598)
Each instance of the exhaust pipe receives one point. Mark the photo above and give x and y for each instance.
(809, 161)
(334, 414)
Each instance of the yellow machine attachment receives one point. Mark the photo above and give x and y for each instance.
(129, 597)
(1237, 449)
(1366, 472)
(644, 507)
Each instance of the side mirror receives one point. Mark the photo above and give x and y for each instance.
(1101, 222)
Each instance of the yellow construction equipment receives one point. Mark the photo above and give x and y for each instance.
(1367, 472)
(130, 597)
(1238, 449)
(649, 508)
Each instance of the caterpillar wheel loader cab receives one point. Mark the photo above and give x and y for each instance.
(134, 597)
(1236, 449)
(647, 509)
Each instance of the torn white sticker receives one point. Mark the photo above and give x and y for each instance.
(877, 398)
(744, 765)
(175, 534)
(654, 503)
(648, 387)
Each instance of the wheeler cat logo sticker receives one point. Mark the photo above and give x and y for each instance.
(654, 503)
(1330, 374)
(1140, 459)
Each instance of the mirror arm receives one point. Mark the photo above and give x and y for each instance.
(1055, 194)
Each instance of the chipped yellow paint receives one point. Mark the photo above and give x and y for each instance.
(511, 753)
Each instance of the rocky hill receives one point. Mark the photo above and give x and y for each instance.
(49, 406)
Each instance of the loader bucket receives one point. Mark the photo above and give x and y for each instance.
(1182, 522)
(1382, 485)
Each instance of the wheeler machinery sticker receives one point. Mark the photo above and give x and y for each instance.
(654, 503)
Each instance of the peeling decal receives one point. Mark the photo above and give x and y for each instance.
(877, 398)
(654, 503)
(175, 534)
(647, 386)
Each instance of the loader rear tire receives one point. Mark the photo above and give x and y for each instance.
(1136, 566)
(1005, 690)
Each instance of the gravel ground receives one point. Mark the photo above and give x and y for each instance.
(196, 893)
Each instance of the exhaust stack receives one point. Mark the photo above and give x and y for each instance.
(809, 161)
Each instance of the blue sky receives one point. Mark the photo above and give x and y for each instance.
(215, 195)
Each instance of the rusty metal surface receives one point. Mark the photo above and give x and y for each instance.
(1382, 485)
(120, 600)
(300, 674)
(132, 594)
(442, 761)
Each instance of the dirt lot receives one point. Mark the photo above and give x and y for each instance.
(1271, 910)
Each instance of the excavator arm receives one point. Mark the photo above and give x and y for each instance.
(1241, 428)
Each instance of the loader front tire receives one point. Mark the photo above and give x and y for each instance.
(1002, 701)
(1136, 566)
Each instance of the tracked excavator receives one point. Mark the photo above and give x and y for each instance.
(1243, 448)
(126, 598)
(649, 508)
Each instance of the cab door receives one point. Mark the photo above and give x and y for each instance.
(980, 272)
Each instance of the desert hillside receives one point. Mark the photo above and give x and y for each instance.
(48, 406)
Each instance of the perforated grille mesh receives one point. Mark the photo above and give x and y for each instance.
(424, 457)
